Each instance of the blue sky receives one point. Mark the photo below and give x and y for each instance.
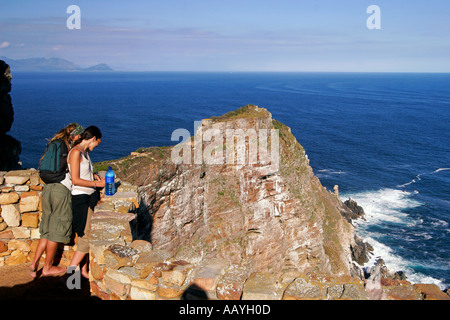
(245, 35)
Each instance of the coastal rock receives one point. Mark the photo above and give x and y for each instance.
(208, 273)
(361, 251)
(231, 285)
(431, 292)
(232, 231)
(10, 148)
(302, 289)
(265, 215)
(255, 219)
(352, 210)
(262, 286)
(6, 110)
(176, 273)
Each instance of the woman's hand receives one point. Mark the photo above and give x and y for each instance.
(100, 182)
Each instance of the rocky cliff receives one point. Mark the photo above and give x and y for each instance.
(10, 148)
(216, 196)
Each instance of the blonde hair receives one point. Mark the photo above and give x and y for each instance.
(64, 135)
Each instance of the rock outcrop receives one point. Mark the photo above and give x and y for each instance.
(10, 148)
(198, 201)
(352, 210)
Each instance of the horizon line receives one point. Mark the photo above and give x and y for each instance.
(225, 71)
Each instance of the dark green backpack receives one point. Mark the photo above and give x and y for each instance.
(53, 166)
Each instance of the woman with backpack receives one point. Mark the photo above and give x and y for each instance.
(56, 221)
(84, 193)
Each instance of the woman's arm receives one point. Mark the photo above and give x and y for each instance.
(74, 161)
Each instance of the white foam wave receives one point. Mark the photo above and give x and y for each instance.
(418, 177)
(441, 169)
(387, 205)
(396, 263)
(331, 171)
(326, 173)
(438, 222)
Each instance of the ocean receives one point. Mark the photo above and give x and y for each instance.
(382, 137)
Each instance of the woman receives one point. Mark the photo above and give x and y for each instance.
(84, 193)
(56, 221)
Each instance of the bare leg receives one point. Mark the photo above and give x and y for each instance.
(84, 268)
(49, 268)
(78, 257)
(37, 256)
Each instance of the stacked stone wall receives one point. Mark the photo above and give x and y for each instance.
(20, 215)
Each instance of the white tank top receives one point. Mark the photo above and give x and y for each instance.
(86, 173)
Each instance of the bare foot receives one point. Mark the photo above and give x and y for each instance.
(81, 271)
(33, 269)
(53, 271)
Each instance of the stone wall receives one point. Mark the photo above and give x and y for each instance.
(20, 214)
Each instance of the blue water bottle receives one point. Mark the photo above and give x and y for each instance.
(110, 187)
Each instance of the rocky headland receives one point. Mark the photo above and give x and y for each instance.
(264, 224)
(10, 148)
(51, 65)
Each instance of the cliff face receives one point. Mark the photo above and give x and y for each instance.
(10, 148)
(267, 214)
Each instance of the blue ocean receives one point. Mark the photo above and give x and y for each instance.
(382, 137)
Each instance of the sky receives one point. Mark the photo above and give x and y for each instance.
(231, 35)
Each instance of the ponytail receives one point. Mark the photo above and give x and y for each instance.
(88, 133)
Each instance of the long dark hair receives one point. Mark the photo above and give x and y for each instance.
(88, 133)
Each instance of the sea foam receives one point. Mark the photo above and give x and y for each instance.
(388, 206)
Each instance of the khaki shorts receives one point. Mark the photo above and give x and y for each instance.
(56, 220)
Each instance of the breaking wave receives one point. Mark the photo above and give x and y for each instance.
(388, 225)
(418, 177)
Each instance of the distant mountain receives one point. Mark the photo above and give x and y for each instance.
(50, 65)
(99, 67)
